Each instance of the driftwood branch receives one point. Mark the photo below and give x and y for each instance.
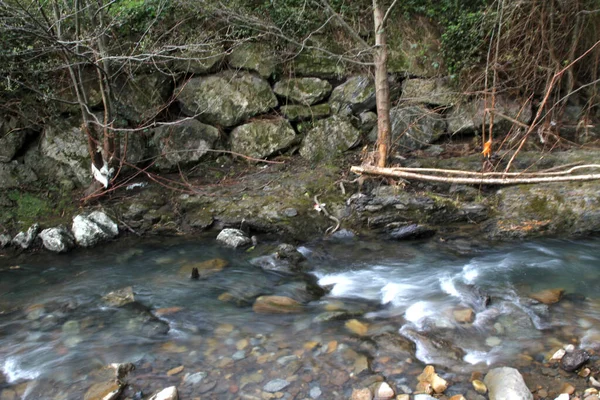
(474, 178)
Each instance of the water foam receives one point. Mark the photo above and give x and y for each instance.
(13, 371)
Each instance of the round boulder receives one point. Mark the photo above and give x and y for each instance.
(328, 138)
(260, 139)
(58, 239)
(307, 91)
(91, 229)
(227, 98)
(233, 238)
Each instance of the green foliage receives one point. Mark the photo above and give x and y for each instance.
(465, 24)
(30, 208)
(134, 16)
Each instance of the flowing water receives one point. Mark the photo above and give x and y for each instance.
(57, 333)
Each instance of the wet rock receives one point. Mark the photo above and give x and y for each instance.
(328, 138)
(254, 56)
(574, 359)
(262, 138)
(169, 393)
(58, 239)
(104, 391)
(276, 385)
(119, 298)
(203, 269)
(194, 379)
(315, 392)
(227, 98)
(430, 382)
(506, 384)
(383, 391)
(411, 232)
(122, 369)
(24, 240)
(464, 315)
(548, 296)
(362, 394)
(93, 228)
(433, 350)
(233, 238)
(479, 386)
(357, 327)
(307, 91)
(184, 144)
(276, 305)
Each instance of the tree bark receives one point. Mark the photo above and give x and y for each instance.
(382, 88)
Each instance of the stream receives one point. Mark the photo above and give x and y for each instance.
(390, 310)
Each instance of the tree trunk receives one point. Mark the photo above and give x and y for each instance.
(382, 88)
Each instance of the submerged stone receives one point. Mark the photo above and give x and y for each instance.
(506, 384)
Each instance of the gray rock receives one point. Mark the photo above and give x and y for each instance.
(414, 127)
(315, 392)
(260, 139)
(315, 63)
(233, 238)
(15, 174)
(10, 143)
(276, 385)
(195, 378)
(368, 121)
(438, 91)
(58, 239)
(412, 231)
(354, 96)
(227, 98)
(571, 361)
(506, 384)
(4, 240)
(468, 117)
(254, 56)
(64, 142)
(198, 59)
(297, 112)
(183, 144)
(423, 397)
(328, 138)
(25, 239)
(307, 91)
(141, 97)
(93, 228)
(120, 297)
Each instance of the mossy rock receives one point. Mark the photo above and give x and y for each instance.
(305, 91)
(263, 138)
(329, 138)
(297, 112)
(254, 56)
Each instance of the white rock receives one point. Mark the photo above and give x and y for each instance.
(26, 239)
(4, 240)
(58, 240)
(594, 382)
(569, 348)
(384, 391)
(169, 393)
(233, 238)
(563, 396)
(559, 354)
(506, 384)
(91, 229)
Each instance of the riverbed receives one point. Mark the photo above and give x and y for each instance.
(389, 311)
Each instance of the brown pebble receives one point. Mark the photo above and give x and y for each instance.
(567, 388)
(175, 371)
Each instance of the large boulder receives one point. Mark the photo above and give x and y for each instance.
(227, 98)
(506, 384)
(139, 98)
(183, 144)
(15, 174)
(260, 139)
(198, 56)
(414, 127)
(64, 142)
(24, 240)
(437, 92)
(307, 91)
(328, 138)
(314, 63)
(233, 238)
(254, 56)
(468, 117)
(93, 228)
(296, 112)
(354, 96)
(58, 239)
(12, 139)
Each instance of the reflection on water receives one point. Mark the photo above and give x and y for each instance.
(56, 328)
